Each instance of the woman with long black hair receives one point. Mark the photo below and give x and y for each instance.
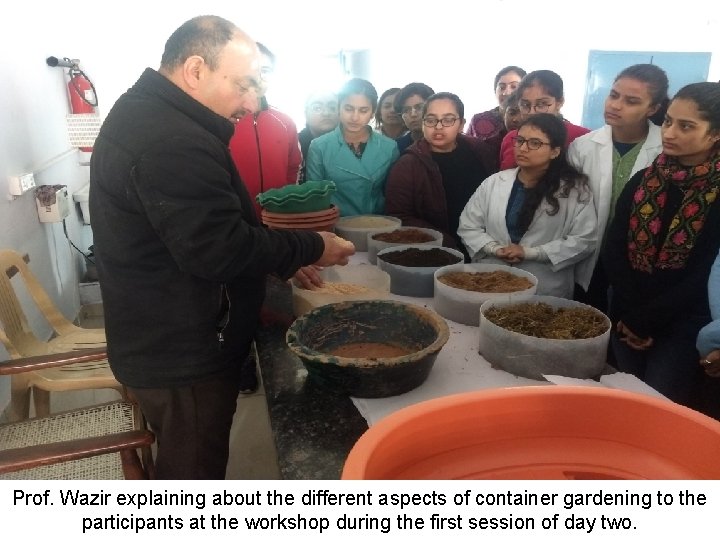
(661, 245)
(538, 216)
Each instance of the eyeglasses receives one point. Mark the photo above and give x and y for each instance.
(532, 144)
(543, 106)
(244, 88)
(417, 109)
(266, 72)
(446, 121)
(318, 108)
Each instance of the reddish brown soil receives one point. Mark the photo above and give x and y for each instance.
(369, 350)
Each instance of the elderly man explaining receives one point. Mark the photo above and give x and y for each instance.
(175, 233)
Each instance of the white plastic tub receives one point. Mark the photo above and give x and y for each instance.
(377, 281)
(356, 228)
(533, 357)
(463, 306)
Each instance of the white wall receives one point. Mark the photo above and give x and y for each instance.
(466, 44)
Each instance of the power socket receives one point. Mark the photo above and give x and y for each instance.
(17, 185)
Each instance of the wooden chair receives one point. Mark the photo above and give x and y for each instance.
(97, 442)
(19, 340)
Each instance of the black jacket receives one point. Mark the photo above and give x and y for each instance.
(415, 192)
(174, 232)
(650, 304)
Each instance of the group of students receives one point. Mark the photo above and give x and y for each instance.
(182, 257)
(623, 218)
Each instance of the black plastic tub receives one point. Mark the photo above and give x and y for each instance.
(418, 332)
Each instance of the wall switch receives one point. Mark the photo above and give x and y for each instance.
(17, 185)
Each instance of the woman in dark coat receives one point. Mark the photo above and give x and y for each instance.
(432, 181)
(661, 245)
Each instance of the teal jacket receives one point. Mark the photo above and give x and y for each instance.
(360, 182)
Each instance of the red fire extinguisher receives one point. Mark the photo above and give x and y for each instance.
(83, 99)
(81, 91)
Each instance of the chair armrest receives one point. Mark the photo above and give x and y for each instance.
(17, 459)
(33, 363)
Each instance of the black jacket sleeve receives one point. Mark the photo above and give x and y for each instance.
(190, 201)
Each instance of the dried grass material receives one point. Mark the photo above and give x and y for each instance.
(543, 321)
(498, 281)
(341, 288)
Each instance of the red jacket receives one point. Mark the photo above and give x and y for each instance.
(266, 151)
(507, 157)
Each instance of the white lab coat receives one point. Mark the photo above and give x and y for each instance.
(567, 237)
(592, 154)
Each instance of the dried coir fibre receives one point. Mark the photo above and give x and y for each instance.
(543, 321)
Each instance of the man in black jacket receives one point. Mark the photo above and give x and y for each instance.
(175, 234)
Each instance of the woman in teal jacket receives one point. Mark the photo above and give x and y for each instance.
(354, 156)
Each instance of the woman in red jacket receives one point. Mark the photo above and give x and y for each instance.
(539, 92)
(265, 145)
(432, 181)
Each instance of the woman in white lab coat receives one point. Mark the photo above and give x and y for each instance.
(611, 155)
(539, 216)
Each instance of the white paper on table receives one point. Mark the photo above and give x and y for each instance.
(619, 380)
(458, 368)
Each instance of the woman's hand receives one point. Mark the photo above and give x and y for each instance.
(309, 276)
(512, 253)
(632, 340)
(711, 363)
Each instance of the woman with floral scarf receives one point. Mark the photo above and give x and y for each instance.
(661, 245)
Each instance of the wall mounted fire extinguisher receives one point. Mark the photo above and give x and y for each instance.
(81, 91)
(83, 98)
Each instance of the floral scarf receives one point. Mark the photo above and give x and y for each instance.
(700, 185)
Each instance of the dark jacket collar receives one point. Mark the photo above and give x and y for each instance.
(153, 83)
(422, 150)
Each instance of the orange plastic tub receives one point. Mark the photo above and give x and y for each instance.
(542, 432)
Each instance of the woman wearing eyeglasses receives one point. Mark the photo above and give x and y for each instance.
(660, 247)
(409, 102)
(353, 155)
(321, 117)
(539, 92)
(538, 216)
(431, 182)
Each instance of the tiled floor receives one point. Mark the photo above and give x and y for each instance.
(252, 451)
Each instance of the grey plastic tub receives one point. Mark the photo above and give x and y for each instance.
(375, 246)
(411, 280)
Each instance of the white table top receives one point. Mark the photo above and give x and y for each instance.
(460, 368)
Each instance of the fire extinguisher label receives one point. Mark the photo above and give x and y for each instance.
(89, 95)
